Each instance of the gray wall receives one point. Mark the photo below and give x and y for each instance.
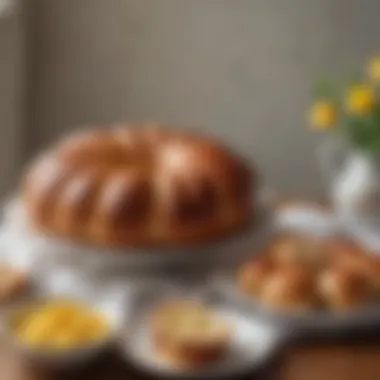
(240, 69)
(11, 98)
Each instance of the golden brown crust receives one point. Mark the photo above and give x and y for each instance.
(188, 334)
(253, 275)
(296, 272)
(345, 288)
(141, 187)
(293, 249)
(290, 288)
(13, 283)
(369, 266)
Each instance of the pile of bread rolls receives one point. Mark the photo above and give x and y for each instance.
(298, 273)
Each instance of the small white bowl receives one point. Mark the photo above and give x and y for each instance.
(64, 358)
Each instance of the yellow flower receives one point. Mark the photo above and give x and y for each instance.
(323, 115)
(374, 69)
(360, 100)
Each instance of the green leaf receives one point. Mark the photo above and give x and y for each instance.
(354, 80)
(324, 89)
(363, 132)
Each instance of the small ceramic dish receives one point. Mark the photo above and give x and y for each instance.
(252, 345)
(66, 357)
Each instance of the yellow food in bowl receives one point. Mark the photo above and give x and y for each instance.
(60, 324)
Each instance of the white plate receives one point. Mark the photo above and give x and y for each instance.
(253, 344)
(306, 219)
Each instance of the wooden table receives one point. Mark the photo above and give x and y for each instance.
(322, 361)
(335, 362)
(358, 358)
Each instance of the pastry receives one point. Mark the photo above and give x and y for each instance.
(371, 267)
(291, 288)
(146, 186)
(13, 283)
(299, 250)
(253, 275)
(188, 334)
(347, 253)
(304, 273)
(352, 256)
(343, 288)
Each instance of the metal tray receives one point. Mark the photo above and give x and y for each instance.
(315, 321)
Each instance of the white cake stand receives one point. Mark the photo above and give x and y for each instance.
(19, 240)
